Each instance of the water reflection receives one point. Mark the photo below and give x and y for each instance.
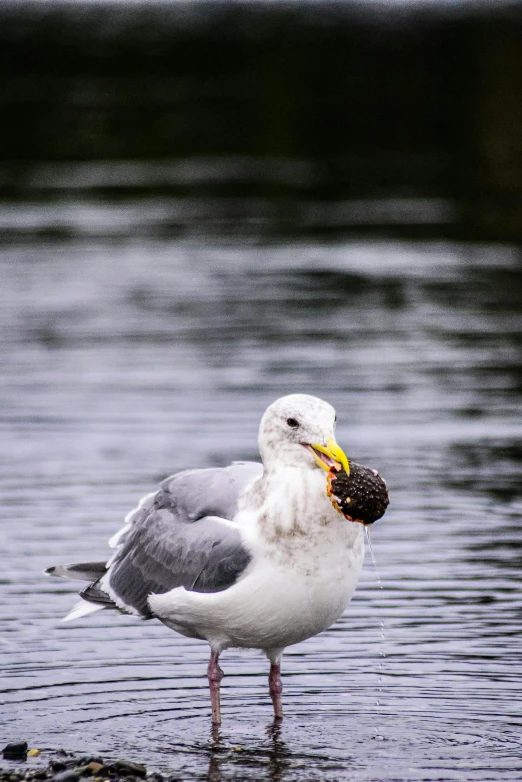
(124, 361)
(271, 759)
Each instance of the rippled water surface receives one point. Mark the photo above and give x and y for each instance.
(125, 359)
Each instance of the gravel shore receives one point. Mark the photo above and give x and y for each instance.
(31, 764)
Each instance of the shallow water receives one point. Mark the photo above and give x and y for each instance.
(126, 358)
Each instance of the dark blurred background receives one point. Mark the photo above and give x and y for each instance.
(391, 117)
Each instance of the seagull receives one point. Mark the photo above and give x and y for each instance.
(253, 555)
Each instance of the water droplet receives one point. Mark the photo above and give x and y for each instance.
(382, 652)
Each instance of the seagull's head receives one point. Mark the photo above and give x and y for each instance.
(298, 431)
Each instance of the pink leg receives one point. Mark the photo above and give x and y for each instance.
(215, 674)
(276, 688)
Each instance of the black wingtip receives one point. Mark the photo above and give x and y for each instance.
(49, 571)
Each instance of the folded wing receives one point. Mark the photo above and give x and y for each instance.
(181, 536)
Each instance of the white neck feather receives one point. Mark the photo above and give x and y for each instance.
(291, 500)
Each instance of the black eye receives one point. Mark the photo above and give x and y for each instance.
(292, 422)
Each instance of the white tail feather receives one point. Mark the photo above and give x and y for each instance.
(83, 608)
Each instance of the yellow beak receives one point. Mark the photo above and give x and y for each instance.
(335, 456)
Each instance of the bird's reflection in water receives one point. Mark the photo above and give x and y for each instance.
(278, 752)
(216, 746)
(271, 758)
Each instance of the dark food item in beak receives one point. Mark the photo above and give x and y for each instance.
(360, 495)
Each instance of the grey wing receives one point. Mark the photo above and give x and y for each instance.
(179, 537)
